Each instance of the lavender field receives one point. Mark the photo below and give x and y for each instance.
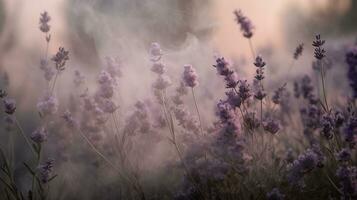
(183, 100)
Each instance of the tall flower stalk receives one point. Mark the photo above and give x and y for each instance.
(189, 78)
(246, 27)
(319, 54)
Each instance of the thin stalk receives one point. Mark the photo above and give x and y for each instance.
(198, 112)
(323, 84)
(24, 136)
(261, 111)
(141, 193)
(54, 83)
(251, 48)
(332, 183)
(34, 176)
(169, 119)
(96, 150)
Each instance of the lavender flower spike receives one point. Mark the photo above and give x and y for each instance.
(60, 58)
(245, 24)
(44, 19)
(298, 51)
(9, 106)
(190, 76)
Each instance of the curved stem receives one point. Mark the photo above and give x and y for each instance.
(54, 83)
(198, 112)
(24, 136)
(251, 48)
(323, 85)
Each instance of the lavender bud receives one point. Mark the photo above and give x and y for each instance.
(39, 135)
(9, 106)
(47, 104)
(190, 76)
(162, 82)
(45, 170)
(69, 119)
(272, 126)
(245, 24)
(155, 52)
(319, 51)
(298, 51)
(44, 19)
(344, 155)
(158, 68)
(259, 62)
(60, 59)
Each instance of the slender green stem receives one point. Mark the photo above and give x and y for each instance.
(54, 83)
(96, 150)
(24, 136)
(332, 183)
(197, 110)
(323, 84)
(169, 120)
(251, 48)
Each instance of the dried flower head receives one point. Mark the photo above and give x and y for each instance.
(60, 58)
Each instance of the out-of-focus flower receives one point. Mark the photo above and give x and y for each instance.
(260, 94)
(44, 19)
(350, 131)
(233, 99)
(351, 59)
(259, 62)
(327, 126)
(155, 52)
(189, 76)
(245, 24)
(47, 104)
(45, 170)
(162, 82)
(9, 106)
(271, 125)
(113, 66)
(69, 119)
(3, 93)
(60, 59)
(305, 163)
(39, 135)
(344, 155)
(277, 97)
(275, 194)
(158, 68)
(298, 51)
(78, 78)
(348, 181)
